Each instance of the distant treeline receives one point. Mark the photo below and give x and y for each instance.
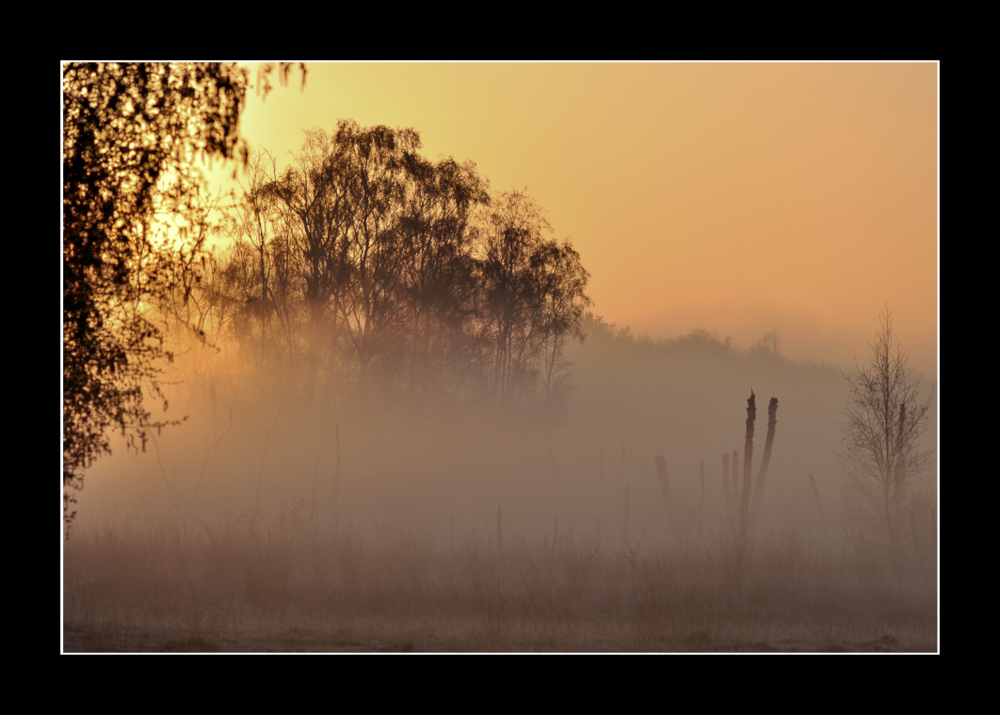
(364, 264)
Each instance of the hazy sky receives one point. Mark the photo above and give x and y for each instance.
(739, 198)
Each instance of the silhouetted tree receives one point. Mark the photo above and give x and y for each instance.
(564, 284)
(884, 420)
(314, 198)
(253, 225)
(404, 269)
(374, 164)
(439, 233)
(532, 294)
(129, 133)
(381, 244)
(344, 197)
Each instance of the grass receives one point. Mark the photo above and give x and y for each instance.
(252, 584)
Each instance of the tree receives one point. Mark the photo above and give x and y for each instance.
(252, 228)
(373, 163)
(533, 295)
(438, 234)
(382, 243)
(389, 273)
(129, 134)
(885, 417)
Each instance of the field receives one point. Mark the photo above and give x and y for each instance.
(253, 585)
(332, 382)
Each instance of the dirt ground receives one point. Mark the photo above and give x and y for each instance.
(327, 632)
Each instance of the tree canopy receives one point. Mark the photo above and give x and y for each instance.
(361, 264)
(382, 268)
(129, 133)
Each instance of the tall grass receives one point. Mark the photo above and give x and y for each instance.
(251, 583)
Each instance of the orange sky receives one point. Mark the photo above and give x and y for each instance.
(734, 197)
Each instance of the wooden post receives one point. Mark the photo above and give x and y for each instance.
(735, 506)
(701, 496)
(772, 420)
(900, 468)
(601, 510)
(336, 488)
(625, 528)
(727, 495)
(499, 528)
(747, 462)
(819, 502)
(661, 473)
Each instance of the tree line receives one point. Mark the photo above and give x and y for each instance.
(364, 266)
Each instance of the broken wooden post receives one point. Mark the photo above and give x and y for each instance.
(772, 411)
(747, 463)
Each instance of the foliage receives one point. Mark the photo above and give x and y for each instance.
(533, 294)
(884, 419)
(383, 267)
(129, 133)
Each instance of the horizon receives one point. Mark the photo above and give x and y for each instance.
(786, 172)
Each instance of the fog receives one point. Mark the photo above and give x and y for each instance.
(257, 446)
(254, 458)
(346, 396)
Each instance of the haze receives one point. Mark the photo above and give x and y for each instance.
(737, 198)
(416, 479)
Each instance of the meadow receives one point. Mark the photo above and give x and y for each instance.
(251, 584)
(260, 525)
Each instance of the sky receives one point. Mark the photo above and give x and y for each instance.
(737, 198)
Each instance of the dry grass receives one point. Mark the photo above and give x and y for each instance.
(250, 584)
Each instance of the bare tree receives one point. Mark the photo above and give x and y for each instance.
(885, 417)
